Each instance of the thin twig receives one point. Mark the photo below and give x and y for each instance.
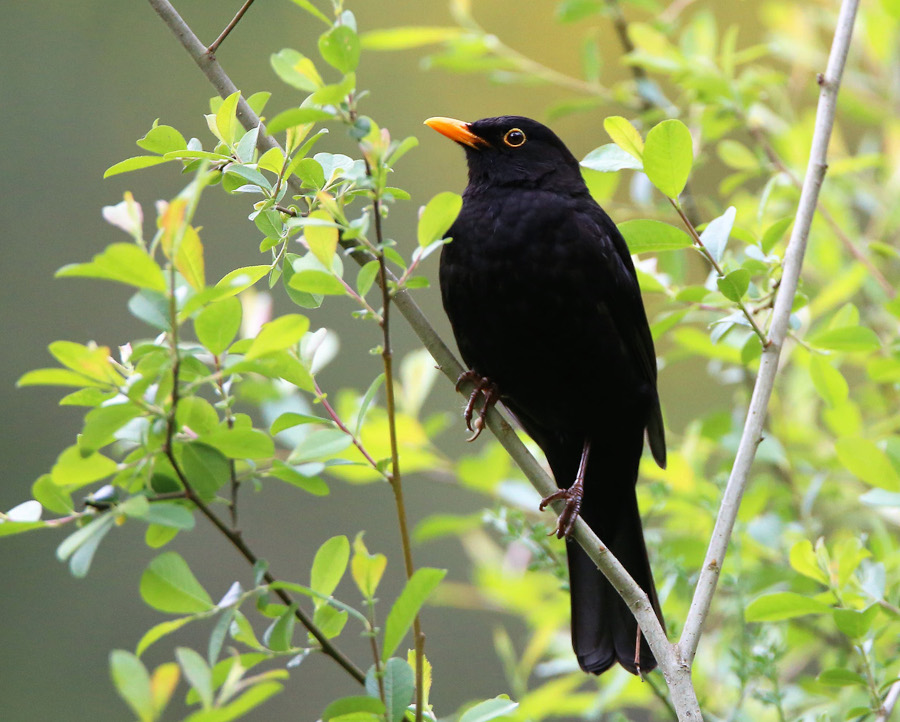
(228, 28)
(762, 391)
(887, 707)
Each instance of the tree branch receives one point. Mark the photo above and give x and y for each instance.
(887, 707)
(765, 380)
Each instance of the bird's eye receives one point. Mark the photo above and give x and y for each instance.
(514, 138)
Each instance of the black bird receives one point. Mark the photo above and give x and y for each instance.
(546, 309)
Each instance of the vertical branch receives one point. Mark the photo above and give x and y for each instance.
(762, 391)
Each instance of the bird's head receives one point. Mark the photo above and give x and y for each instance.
(514, 151)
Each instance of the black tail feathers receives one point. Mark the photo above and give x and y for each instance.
(604, 631)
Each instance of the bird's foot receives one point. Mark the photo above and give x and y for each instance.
(566, 521)
(485, 388)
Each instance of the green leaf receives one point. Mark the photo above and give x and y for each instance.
(830, 383)
(803, 559)
(775, 233)
(296, 70)
(841, 677)
(132, 682)
(864, 459)
(335, 93)
(329, 620)
(624, 135)
(168, 585)
(284, 332)
(289, 474)
(853, 623)
(226, 122)
(400, 618)
(668, 156)
(437, 217)
(610, 158)
(367, 401)
(313, 10)
(489, 709)
(321, 239)
(241, 443)
(322, 443)
(217, 325)
(206, 467)
(311, 173)
(735, 284)
(352, 706)
(137, 162)
(79, 547)
(783, 605)
(297, 116)
(407, 37)
(167, 514)
(846, 338)
(197, 414)
(646, 236)
(123, 262)
(317, 283)
(162, 139)
(158, 631)
(399, 683)
(54, 377)
(73, 470)
(329, 565)
(51, 496)
(280, 635)
(240, 279)
(340, 48)
(366, 568)
(366, 277)
(251, 175)
(101, 423)
(736, 155)
(197, 673)
(715, 235)
(289, 420)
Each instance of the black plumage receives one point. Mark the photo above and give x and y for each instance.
(544, 301)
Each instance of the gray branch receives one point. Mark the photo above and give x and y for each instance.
(768, 368)
(887, 707)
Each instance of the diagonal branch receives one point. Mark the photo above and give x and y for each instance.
(887, 707)
(768, 368)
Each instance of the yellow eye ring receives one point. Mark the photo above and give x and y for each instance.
(514, 138)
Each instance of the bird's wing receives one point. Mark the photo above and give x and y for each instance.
(610, 262)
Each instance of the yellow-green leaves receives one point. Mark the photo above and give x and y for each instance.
(218, 323)
(648, 236)
(122, 262)
(284, 332)
(783, 605)
(296, 70)
(625, 135)
(321, 235)
(328, 566)
(864, 459)
(366, 568)
(668, 156)
(437, 217)
(340, 48)
(405, 609)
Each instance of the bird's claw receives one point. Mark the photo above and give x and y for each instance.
(484, 387)
(565, 523)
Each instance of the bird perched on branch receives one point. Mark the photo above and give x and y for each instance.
(546, 309)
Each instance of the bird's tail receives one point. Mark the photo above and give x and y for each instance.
(604, 630)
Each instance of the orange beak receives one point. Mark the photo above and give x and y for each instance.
(457, 130)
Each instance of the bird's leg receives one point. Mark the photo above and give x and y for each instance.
(573, 496)
(483, 387)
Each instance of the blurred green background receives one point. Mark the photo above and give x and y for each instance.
(80, 82)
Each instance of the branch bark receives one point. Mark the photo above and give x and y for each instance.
(768, 368)
(887, 707)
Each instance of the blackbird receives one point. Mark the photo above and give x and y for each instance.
(545, 306)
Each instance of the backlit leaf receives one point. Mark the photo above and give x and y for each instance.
(668, 156)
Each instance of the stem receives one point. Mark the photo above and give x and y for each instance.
(379, 673)
(321, 398)
(228, 28)
(229, 418)
(765, 380)
(709, 257)
(395, 478)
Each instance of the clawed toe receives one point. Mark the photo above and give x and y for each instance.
(565, 523)
(485, 388)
